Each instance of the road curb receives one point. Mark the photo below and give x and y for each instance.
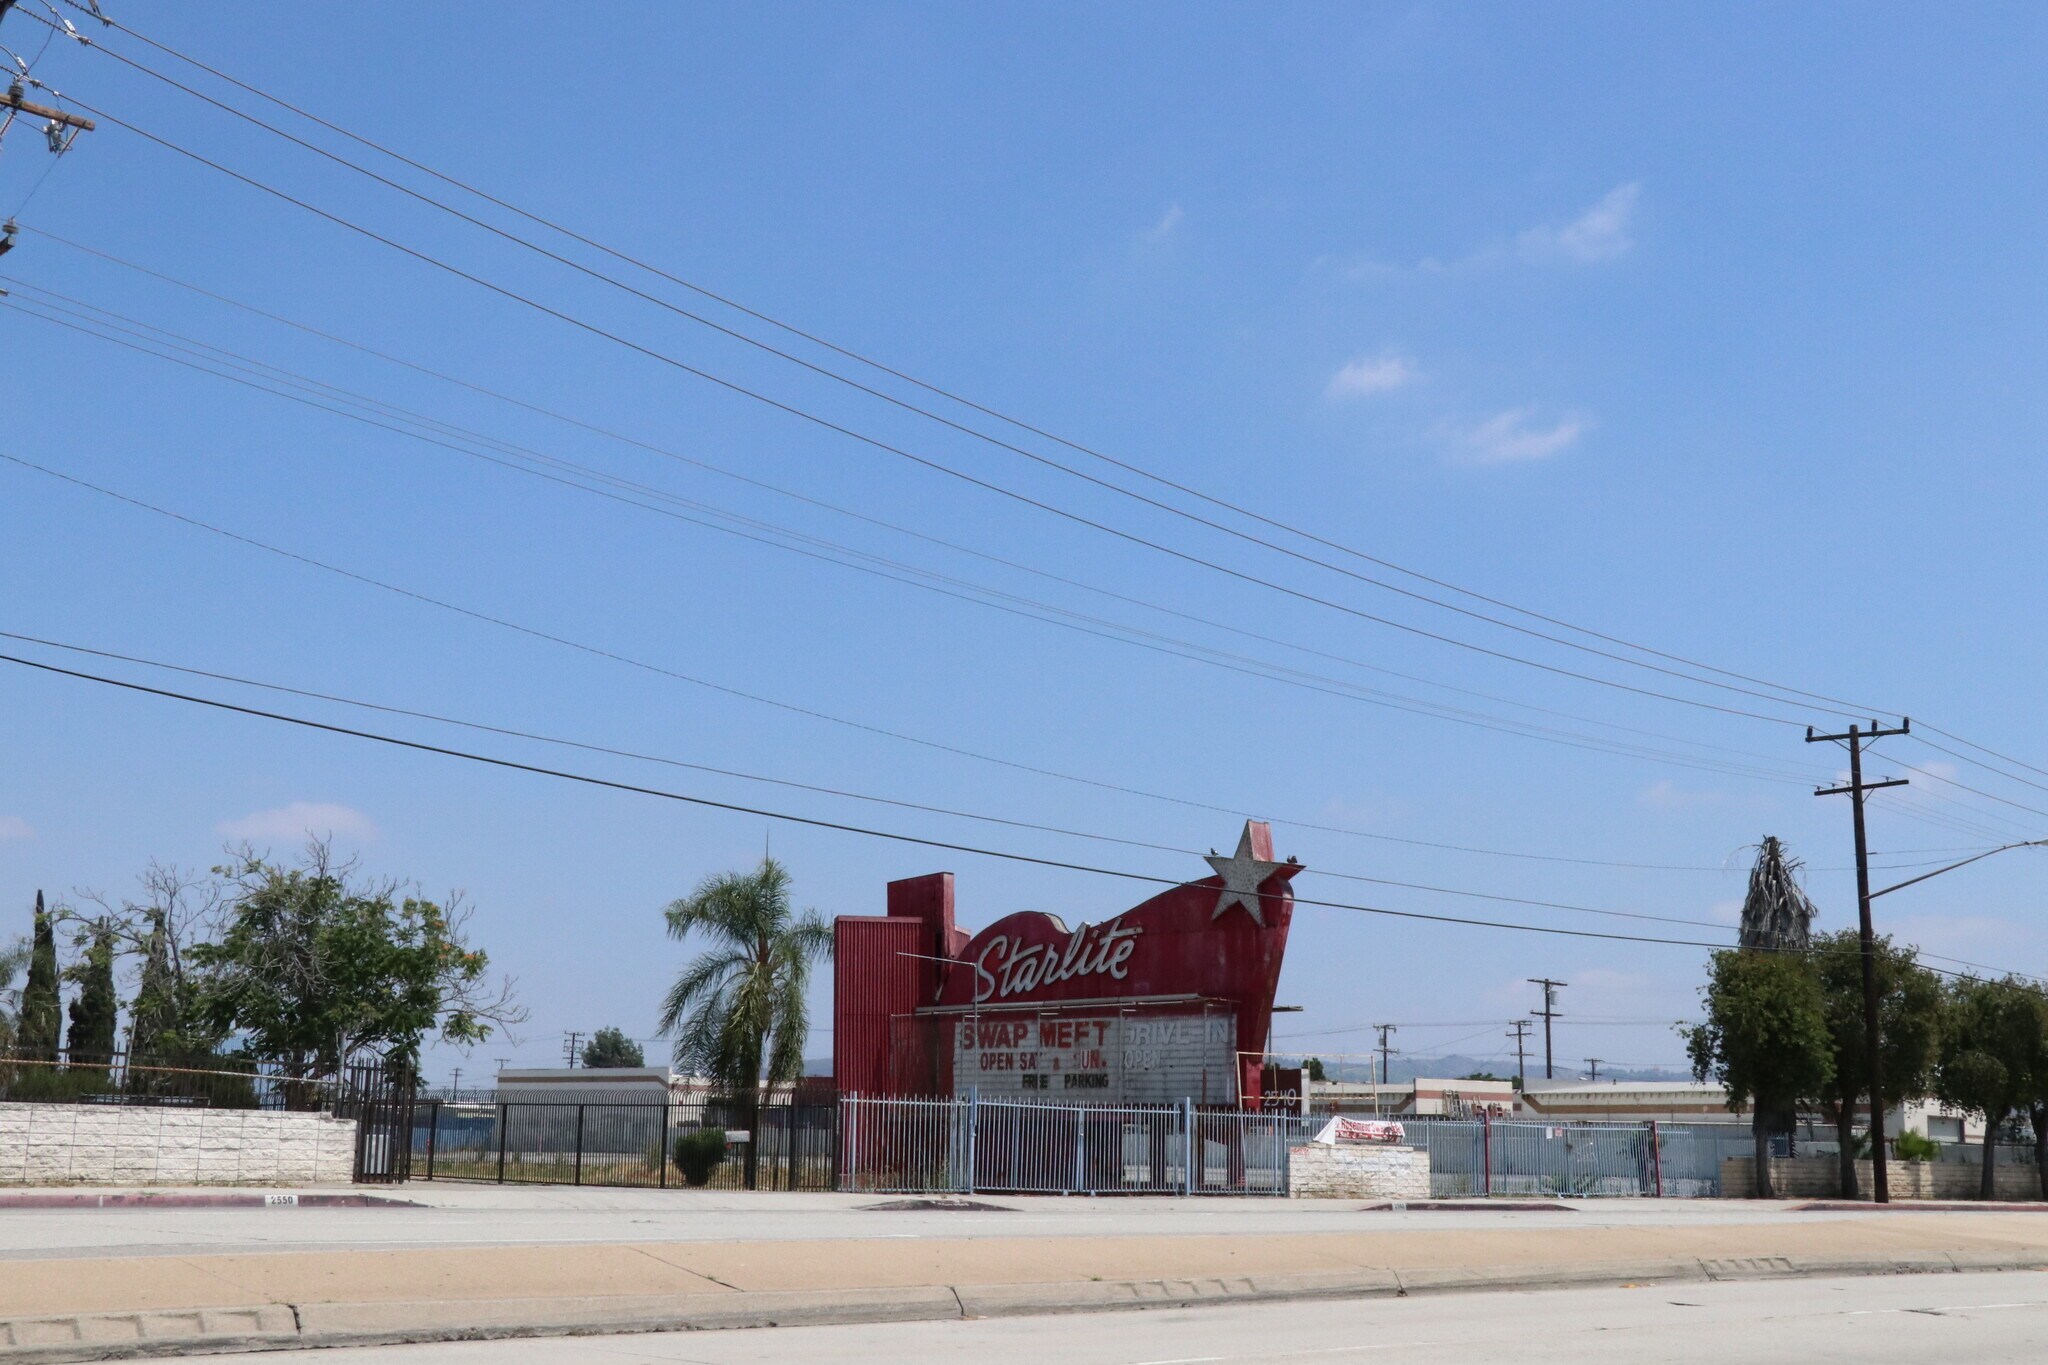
(202, 1200)
(123, 1336)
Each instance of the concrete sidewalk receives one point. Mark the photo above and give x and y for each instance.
(73, 1307)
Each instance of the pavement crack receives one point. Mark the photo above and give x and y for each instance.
(688, 1270)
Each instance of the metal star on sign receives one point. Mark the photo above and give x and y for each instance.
(1242, 875)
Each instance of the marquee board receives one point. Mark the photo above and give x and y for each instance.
(1105, 1056)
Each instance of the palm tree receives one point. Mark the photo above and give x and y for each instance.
(741, 1002)
(13, 958)
(1777, 915)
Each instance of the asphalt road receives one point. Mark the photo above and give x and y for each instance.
(1984, 1319)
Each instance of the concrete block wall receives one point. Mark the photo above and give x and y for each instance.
(1820, 1178)
(1357, 1171)
(92, 1144)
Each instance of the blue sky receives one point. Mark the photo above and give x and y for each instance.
(1717, 332)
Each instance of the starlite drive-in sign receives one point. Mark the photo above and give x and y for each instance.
(1168, 1000)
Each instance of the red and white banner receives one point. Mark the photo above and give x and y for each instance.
(1341, 1129)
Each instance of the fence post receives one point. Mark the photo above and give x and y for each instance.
(1656, 1160)
(662, 1160)
(1188, 1144)
(433, 1134)
(839, 1122)
(973, 1124)
(1080, 1151)
(753, 1162)
(847, 1151)
(579, 1145)
(504, 1114)
(1486, 1141)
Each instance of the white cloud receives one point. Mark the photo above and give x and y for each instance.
(1511, 437)
(1370, 374)
(1601, 233)
(1168, 221)
(300, 820)
(14, 827)
(1664, 794)
(1604, 232)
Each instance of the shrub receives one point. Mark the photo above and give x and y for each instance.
(1916, 1147)
(699, 1154)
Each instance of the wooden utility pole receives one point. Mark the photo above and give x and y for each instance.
(1856, 789)
(1386, 1053)
(1592, 1070)
(1519, 1031)
(1546, 1014)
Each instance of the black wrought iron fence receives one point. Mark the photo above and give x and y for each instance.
(69, 1076)
(710, 1143)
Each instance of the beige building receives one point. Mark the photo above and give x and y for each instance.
(1423, 1096)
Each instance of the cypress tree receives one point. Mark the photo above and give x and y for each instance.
(155, 1024)
(93, 1012)
(41, 1007)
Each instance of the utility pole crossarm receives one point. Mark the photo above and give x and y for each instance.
(14, 99)
(1847, 787)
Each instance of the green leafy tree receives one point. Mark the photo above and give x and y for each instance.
(1993, 1055)
(315, 966)
(42, 1010)
(1315, 1069)
(1910, 1006)
(1765, 1038)
(609, 1047)
(13, 959)
(96, 1007)
(737, 1011)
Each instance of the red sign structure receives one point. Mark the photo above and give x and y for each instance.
(1169, 1000)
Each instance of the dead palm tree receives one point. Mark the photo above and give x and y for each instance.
(1777, 915)
(740, 1004)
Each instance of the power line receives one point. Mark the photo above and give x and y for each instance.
(809, 821)
(898, 374)
(631, 493)
(614, 656)
(933, 464)
(865, 727)
(843, 793)
(841, 826)
(244, 115)
(792, 784)
(500, 443)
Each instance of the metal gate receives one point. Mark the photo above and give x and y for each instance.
(380, 1100)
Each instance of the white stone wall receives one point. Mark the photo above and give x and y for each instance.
(1814, 1177)
(92, 1144)
(1362, 1170)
